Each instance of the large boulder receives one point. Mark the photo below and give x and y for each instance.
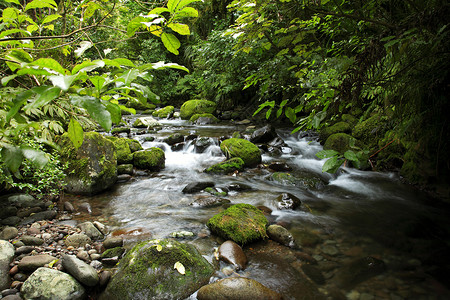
(164, 112)
(192, 107)
(203, 119)
(341, 142)
(237, 288)
(152, 159)
(92, 168)
(246, 150)
(263, 135)
(50, 284)
(159, 269)
(83, 272)
(122, 148)
(342, 127)
(6, 257)
(241, 223)
(146, 122)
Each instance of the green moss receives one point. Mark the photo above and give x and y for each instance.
(227, 167)
(370, 130)
(120, 130)
(110, 253)
(192, 107)
(147, 272)
(343, 127)
(195, 117)
(152, 159)
(246, 150)
(164, 112)
(136, 104)
(341, 142)
(242, 223)
(134, 145)
(307, 181)
(122, 148)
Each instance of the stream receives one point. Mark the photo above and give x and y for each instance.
(343, 217)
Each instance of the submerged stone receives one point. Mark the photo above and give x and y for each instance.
(192, 107)
(164, 112)
(246, 150)
(232, 253)
(226, 167)
(148, 271)
(359, 270)
(152, 159)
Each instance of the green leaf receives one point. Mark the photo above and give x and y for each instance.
(90, 9)
(163, 65)
(128, 76)
(12, 157)
(158, 11)
(268, 112)
(174, 5)
(10, 14)
(75, 132)
(326, 153)
(12, 31)
(114, 110)
(41, 4)
(19, 56)
(95, 108)
(290, 114)
(17, 104)
(13, 1)
(124, 62)
(33, 71)
(134, 25)
(179, 28)
(50, 18)
(84, 45)
(45, 94)
(49, 63)
(318, 118)
(37, 158)
(7, 79)
(187, 12)
(88, 66)
(170, 42)
(332, 164)
(350, 155)
(63, 82)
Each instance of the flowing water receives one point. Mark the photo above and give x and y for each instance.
(344, 217)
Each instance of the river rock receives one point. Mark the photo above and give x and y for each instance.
(281, 235)
(6, 257)
(43, 215)
(83, 272)
(192, 107)
(313, 273)
(112, 242)
(174, 139)
(242, 223)
(195, 187)
(246, 150)
(31, 240)
(68, 207)
(232, 253)
(31, 263)
(148, 272)
(9, 233)
(113, 252)
(263, 135)
(122, 149)
(152, 159)
(77, 240)
(50, 284)
(209, 201)
(23, 200)
(236, 288)
(279, 166)
(146, 122)
(90, 230)
(92, 168)
(11, 221)
(287, 201)
(358, 271)
(226, 167)
(125, 169)
(203, 119)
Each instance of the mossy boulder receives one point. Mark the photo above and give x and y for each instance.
(246, 150)
(146, 122)
(228, 166)
(370, 130)
(147, 272)
(349, 119)
(92, 168)
(134, 145)
(192, 107)
(152, 159)
(306, 180)
(139, 105)
(164, 112)
(203, 119)
(343, 127)
(118, 130)
(122, 148)
(341, 142)
(242, 223)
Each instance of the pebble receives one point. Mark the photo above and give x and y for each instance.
(8, 292)
(104, 278)
(330, 250)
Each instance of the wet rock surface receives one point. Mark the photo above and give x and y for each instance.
(232, 253)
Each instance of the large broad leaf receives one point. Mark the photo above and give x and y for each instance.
(114, 110)
(49, 63)
(350, 155)
(163, 65)
(63, 82)
(155, 29)
(33, 71)
(75, 132)
(45, 94)
(17, 104)
(95, 108)
(41, 4)
(84, 45)
(146, 92)
(50, 18)
(290, 114)
(12, 157)
(88, 66)
(326, 154)
(179, 28)
(36, 157)
(174, 5)
(12, 31)
(128, 76)
(7, 79)
(124, 62)
(332, 164)
(158, 11)
(171, 42)
(187, 12)
(135, 24)
(19, 56)
(90, 9)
